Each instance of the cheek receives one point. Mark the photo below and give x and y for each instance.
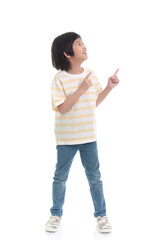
(77, 51)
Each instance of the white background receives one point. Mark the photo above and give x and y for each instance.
(118, 34)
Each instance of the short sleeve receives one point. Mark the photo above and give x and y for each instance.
(98, 86)
(57, 93)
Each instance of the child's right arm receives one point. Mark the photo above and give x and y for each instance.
(72, 99)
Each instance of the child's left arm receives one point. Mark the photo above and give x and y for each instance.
(112, 82)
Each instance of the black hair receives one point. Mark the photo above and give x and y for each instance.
(61, 44)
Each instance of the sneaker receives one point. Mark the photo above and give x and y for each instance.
(103, 225)
(53, 224)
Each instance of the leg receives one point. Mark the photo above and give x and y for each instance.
(90, 161)
(65, 155)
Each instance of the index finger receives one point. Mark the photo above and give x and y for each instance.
(116, 72)
(88, 74)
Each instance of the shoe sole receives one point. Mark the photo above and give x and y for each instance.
(104, 230)
(51, 230)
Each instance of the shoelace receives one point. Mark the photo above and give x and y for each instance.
(103, 221)
(54, 220)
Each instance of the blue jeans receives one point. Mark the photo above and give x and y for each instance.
(90, 161)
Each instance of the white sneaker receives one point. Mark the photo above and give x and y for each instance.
(53, 224)
(103, 225)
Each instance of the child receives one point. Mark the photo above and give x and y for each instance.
(76, 92)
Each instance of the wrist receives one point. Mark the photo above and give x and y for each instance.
(80, 91)
(108, 88)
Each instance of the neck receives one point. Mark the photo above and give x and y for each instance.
(76, 69)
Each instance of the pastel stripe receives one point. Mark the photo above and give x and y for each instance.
(78, 125)
(73, 124)
(73, 132)
(76, 139)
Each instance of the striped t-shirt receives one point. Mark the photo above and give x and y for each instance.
(78, 125)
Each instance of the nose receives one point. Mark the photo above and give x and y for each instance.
(84, 47)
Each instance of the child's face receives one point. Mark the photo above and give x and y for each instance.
(80, 51)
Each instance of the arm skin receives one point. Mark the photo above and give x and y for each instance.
(112, 82)
(70, 101)
(102, 95)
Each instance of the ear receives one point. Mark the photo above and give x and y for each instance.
(67, 56)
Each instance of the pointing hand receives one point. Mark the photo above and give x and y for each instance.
(87, 83)
(113, 80)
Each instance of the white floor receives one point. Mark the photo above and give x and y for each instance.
(79, 229)
(127, 222)
(125, 226)
(132, 200)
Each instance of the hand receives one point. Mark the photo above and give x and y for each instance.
(87, 83)
(113, 80)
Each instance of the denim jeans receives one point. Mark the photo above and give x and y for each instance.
(90, 161)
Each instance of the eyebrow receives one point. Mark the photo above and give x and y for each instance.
(78, 41)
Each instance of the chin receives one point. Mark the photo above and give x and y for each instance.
(85, 59)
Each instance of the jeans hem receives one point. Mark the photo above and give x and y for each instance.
(100, 214)
(56, 213)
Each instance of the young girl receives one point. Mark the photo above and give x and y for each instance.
(76, 92)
